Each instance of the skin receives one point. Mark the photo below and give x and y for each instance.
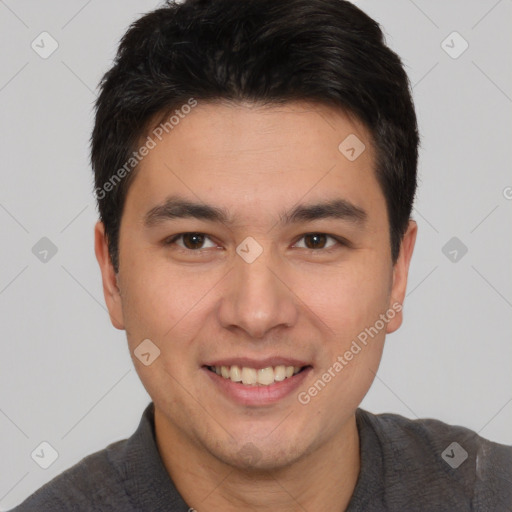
(307, 303)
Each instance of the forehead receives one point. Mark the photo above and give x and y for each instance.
(252, 158)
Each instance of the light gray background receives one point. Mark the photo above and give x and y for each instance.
(65, 373)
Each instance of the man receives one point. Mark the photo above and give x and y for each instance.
(255, 170)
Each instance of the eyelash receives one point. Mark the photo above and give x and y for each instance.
(340, 242)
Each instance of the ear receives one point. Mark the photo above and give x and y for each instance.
(400, 274)
(108, 276)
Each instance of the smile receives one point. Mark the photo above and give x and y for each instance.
(254, 377)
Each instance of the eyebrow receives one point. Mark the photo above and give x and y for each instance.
(178, 208)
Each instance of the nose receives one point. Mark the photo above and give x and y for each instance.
(257, 298)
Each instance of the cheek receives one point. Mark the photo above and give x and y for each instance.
(348, 297)
(161, 300)
(147, 292)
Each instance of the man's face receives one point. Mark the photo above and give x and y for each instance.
(262, 283)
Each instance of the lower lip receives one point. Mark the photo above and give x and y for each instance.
(258, 394)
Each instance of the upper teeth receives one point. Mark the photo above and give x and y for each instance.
(251, 376)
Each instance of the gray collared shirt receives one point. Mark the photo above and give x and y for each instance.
(406, 465)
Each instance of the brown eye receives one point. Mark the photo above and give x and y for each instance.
(315, 240)
(191, 241)
(318, 241)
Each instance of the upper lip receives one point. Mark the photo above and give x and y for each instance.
(258, 364)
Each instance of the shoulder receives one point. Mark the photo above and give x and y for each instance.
(437, 461)
(91, 484)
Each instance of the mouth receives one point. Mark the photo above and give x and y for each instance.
(249, 376)
(262, 386)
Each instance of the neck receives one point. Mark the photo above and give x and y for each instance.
(324, 478)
